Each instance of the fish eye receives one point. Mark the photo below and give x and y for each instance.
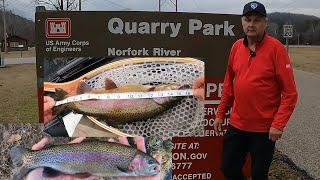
(151, 161)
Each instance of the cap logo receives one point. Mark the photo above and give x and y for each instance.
(253, 5)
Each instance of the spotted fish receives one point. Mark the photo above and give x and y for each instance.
(120, 111)
(96, 158)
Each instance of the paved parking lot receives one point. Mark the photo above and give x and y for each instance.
(301, 140)
(19, 60)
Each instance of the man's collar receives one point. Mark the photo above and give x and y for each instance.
(245, 39)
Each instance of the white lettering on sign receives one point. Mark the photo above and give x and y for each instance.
(193, 146)
(198, 156)
(210, 29)
(192, 176)
(214, 88)
(118, 26)
(180, 146)
(179, 156)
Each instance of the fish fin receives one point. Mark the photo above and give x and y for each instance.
(82, 175)
(49, 172)
(61, 94)
(16, 155)
(161, 100)
(83, 88)
(20, 172)
(152, 88)
(123, 169)
(112, 123)
(48, 146)
(109, 84)
(185, 86)
(158, 100)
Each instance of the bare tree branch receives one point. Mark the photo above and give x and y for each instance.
(59, 4)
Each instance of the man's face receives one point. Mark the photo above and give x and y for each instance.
(254, 24)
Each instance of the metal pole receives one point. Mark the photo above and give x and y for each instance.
(79, 5)
(298, 39)
(287, 44)
(176, 5)
(61, 6)
(159, 5)
(4, 28)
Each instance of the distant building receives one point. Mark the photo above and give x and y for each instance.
(15, 43)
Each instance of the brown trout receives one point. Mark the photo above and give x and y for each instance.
(97, 158)
(120, 111)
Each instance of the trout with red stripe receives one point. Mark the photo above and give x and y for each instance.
(96, 158)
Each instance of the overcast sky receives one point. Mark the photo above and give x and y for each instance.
(26, 8)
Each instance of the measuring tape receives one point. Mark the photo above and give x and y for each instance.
(128, 95)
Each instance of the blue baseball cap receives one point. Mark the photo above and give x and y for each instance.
(254, 6)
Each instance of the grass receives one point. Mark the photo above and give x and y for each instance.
(18, 98)
(306, 58)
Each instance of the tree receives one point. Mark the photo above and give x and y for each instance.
(60, 5)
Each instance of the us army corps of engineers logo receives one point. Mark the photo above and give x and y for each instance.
(58, 27)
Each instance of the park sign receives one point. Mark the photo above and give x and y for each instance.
(77, 51)
(287, 31)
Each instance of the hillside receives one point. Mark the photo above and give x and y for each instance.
(306, 27)
(17, 25)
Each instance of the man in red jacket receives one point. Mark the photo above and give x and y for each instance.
(259, 86)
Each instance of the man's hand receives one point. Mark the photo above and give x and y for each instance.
(198, 88)
(274, 134)
(48, 104)
(217, 124)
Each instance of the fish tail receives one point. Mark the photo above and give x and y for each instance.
(16, 155)
(61, 94)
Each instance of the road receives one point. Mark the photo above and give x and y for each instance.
(19, 60)
(301, 139)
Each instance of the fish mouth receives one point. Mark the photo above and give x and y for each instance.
(153, 166)
(154, 169)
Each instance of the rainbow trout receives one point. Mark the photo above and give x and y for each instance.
(95, 158)
(120, 111)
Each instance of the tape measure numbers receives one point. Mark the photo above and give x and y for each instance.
(130, 95)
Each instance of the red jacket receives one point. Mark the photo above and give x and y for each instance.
(260, 88)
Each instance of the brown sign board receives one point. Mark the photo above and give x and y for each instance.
(116, 35)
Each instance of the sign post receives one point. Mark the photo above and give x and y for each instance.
(287, 33)
(1, 61)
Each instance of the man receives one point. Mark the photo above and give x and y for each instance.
(259, 86)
